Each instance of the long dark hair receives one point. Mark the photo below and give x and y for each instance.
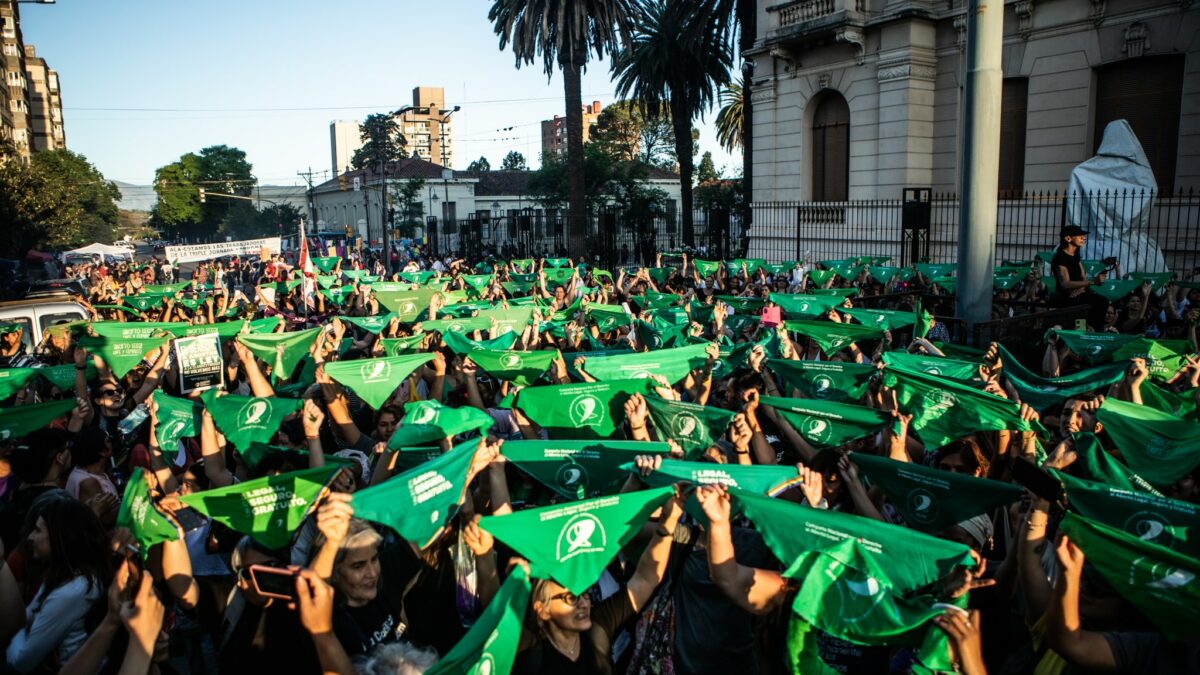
(78, 546)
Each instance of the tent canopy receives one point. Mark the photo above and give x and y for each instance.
(100, 249)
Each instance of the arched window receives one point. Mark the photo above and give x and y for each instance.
(831, 149)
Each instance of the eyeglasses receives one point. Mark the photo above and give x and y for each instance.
(569, 598)
(111, 392)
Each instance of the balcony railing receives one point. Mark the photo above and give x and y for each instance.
(806, 10)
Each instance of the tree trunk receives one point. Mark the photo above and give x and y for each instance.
(681, 119)
(577, 199)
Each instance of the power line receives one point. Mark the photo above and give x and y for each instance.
(310, 109)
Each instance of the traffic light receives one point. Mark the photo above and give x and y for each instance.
(201, 195)
(342, 183)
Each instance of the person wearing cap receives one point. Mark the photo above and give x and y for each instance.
(1073, 284)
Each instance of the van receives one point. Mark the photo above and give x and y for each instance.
(38, 314)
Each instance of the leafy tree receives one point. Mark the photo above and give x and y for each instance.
(244, 221)
(730, 118)
(58, 200)
(626, 134)
(410, 209)
(669, 75)
(514, 161)
(219, 169)
(565, 33)
(611, 182)
(718, 193)
(707, 171)
(479, 165)
(382, 142)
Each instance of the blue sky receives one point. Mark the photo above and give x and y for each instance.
(145, 81)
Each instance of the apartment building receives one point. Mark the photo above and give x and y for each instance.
(15, 131)
(428, 127)
(554, 131)
(344, 140)
(45, 111)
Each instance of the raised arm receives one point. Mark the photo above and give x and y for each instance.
(1082, 648)
(755, 590)
(652, 566)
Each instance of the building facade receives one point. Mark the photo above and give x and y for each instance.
(428, 127)
(344, 140)
(554, 131)
(15, 118)
(45, 112)
(858, 99)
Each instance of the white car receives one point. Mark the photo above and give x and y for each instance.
(126, 245)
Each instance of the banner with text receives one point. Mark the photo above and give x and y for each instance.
(201, 252)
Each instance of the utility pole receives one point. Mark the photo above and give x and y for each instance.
(312, 208)
(981, 171)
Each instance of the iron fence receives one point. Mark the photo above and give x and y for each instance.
(1130, 225)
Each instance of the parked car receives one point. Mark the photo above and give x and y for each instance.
(39, 313)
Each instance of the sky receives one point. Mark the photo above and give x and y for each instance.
(145, 81)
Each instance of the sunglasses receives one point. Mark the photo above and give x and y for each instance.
(111, 392)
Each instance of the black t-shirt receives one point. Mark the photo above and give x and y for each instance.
(269, 640)
(712, 634)
(1150, 654)
(1070, 262)
(359, 629)
(536, 656)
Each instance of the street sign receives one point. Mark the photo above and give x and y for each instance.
(357, 184)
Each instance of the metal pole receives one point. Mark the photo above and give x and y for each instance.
(981, 147)
(387, 254)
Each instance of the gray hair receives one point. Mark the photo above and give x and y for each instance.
(359, 534)
(398, 658)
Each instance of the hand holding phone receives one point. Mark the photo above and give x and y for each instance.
(275, 582)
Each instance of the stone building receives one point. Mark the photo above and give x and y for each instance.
(858, 99)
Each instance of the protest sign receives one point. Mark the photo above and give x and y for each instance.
(200, 363)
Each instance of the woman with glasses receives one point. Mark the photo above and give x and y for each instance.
(576, 637)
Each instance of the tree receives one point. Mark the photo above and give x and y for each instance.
(707, 171)
(410, 209)
(668, 75)
(219, 169)
(514, 161)
(730, 132)
(58, 200)
(244, 221)
(382, 142)
(626, 134)
(479, 165)
(565, 33)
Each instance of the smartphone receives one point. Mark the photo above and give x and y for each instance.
(189, 519)
(1039, 482)
(771, 317)
(274, 582)
(1081, 325)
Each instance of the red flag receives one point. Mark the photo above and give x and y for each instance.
(306, 269)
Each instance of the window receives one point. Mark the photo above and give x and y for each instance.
(1145, 91)
(831, 149)
(1013, 106)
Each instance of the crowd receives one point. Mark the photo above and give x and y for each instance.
(538, 466)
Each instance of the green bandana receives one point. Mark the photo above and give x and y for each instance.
(267, 325)
(931, 271)
(608, 317)
(951, 369)
(820, 277)
(121, 308)
(573, 543)
(924, 321)
(558, 262)
(177, 418)
(139, 330)
(461, 325)
(1182, 404)
(167, 289)
(520, 368)
(374, 380)
(246, 419)
(1163, 357)
(140, 515)
(267, 509)
(1158, 520)
(743, 305)
(1093, 347)
(13, 379)
(944, 410)
(191, 303)
(226, 330)
(763, 479)
(1043, 392)
(337, 295)
(403, 345)
(1115, 289)
(931, 499)
(587, 410)
(656, 338)
(419, 503)
(513, 320)
(326, 265)
(1159, 447)
(825, 380)
(694, 427)
(1157, 279)
(886, 319)
(707, 268)
(578, 469)
(832, 337)
(63, 376)
(673, 364)
(804, 306)
(428, 422)
(882, 274)
(281, 351)
(490, 646)
(371, 324)
(143, 302)
(122, 355)
(463, 345)
(1162, 584)
(558, 277)
(516, 287)
(407, 305)
(479, 282)
(1103, 468)
(828, 424)
(327, 280)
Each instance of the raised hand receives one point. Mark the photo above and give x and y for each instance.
(812, 484)
(714, 500)
(478, 539)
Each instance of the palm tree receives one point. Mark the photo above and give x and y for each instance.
(672, 66)
(730, 133)
(565, 33)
